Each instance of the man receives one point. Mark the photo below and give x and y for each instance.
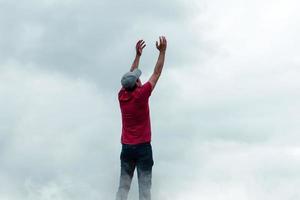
(136, 128)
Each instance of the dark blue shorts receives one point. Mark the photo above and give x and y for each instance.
(136, 156)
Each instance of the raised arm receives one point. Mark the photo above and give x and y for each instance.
(161, 46)
(140, 45)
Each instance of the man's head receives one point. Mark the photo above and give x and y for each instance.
(131, 80)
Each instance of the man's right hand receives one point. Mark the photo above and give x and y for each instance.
(162, 45)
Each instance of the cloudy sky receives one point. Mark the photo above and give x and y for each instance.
(225, 113)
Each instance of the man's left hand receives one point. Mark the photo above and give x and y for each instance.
(140, 45)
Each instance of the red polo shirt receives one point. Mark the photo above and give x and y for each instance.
(136, 127)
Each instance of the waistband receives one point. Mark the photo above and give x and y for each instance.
(136, 145)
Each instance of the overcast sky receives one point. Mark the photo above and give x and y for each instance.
(225, 113)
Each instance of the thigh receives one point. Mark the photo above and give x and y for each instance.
(145, 158)
(128, 162)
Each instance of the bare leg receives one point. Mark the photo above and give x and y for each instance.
(144, 169)
(127, 171)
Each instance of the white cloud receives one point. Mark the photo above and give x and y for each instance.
(61, 127)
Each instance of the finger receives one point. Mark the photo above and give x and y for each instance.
(160, 40)
(138, 43)
(143, 46)
(165, 41)
(156, 44)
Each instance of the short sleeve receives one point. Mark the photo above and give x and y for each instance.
(146, 90)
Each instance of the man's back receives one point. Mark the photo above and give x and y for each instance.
(134, 105)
